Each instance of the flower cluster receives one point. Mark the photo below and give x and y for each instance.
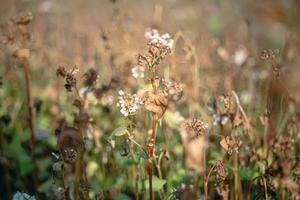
(129, 103)
(159, 40)
(138, 72)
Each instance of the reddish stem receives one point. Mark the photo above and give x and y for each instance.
(151, 150)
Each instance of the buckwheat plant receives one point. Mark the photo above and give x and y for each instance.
(155, 100)
(72, 139)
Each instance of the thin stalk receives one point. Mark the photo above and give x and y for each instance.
(79, 167)
(26, 72)
(158, 168)
(205, 178)
(151, 150)
(236, 177)
(63, 179)
(265, 187)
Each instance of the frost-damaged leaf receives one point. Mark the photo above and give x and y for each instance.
(120, 131)
(157, 183)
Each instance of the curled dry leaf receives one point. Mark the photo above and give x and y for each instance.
(156, 102)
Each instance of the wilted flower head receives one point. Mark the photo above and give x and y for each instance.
(231, 143)
(156, 39)
(198, 126)
(69, 76)
(90, 77)
(129, 103)
(173, 89)
(138, 72)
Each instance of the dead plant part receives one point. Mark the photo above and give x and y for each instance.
(185, 192)
(156, 102)
(68, 137)
(90, 77)
(69, 76)
(283, 144)
(173, 89)
(198, 127)
(231, 143)
(194, 148)
(22, 54)
(269, 54)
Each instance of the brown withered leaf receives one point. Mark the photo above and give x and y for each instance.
(22, 53)
(68, 138)
(194, 149)
(156, 102)
(224, 144)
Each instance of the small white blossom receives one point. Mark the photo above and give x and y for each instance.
(121, 92)
(138, 72)
(240, 56)
(128, 103)
(155, 38)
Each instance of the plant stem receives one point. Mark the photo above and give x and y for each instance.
(236, 177)
(151, 150)
(30, 123)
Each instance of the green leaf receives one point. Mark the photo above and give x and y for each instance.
(157, 183)
(121, 131)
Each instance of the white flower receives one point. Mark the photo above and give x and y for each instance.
(240, 56)
(121, 92)
(138, 72)
(128, 103)
(155, 38)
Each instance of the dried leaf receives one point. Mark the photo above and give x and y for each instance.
(224, 144)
